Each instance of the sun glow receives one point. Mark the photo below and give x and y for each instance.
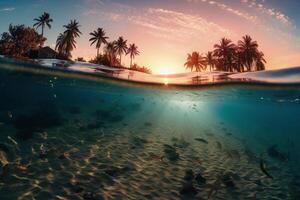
(166, 70)
(166, 81)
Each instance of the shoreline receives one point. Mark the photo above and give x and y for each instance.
(192, 79)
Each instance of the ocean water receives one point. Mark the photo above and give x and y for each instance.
(72, 138)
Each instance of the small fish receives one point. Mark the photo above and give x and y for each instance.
(22, 168)
(263, 169)
(13, 141)
(3, 158)
(156, 157)
(201, 140)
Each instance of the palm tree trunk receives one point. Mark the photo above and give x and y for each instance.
(130, 62)
(97, 52)
(42, 30)
(120, 60)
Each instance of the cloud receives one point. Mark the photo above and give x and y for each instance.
(254, 4)
(271, 12)
(228, 9)
(8, 9)
(177, 25)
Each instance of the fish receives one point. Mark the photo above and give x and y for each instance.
(22, 168)
(201, 140)
(3, 158)
(13, 141)
(264, 170)
(156, 157)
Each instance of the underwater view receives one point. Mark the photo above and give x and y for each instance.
(72, 138)
(142, 100)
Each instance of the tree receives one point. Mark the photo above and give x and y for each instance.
(42, 21)
(143, 69)
(225, 53)
(132, 51)
(99, 38)
(120, 47)
(210, 60)
(66, 42)
(110, 52)
(19, 40)
(195, 60)
(260, 61)
(5, 43)
(249, 51)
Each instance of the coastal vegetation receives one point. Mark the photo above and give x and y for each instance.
(43, 21)
(66, 41)
(120, 47)
(230, 57)
(20, 40)
(98, 38)
(132, 51)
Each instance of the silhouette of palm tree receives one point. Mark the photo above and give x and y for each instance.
(210, 60)
(110, 52)
(132, 51)
(225, 52)
(195, 60)
(42, 21)
(248, 50)
(121, 47)
(60, 44)
(260, 61)
(66, 42)
(99, 38)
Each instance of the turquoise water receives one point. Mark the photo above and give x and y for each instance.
(70, 138)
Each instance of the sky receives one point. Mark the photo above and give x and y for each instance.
(166, 30)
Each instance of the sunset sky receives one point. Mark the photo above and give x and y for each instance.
(166, 30)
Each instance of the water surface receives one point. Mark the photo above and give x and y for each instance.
(84, 139)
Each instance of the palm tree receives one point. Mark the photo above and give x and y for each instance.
(132, 51)
(195, 60)
(60, 44)
(249, 50)
(42, 21)
(210, 60)
(260, 61)
(225, 52)
(121, 47)
(110, 52)
(238, 62)
(98, 37)
(66, 42)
